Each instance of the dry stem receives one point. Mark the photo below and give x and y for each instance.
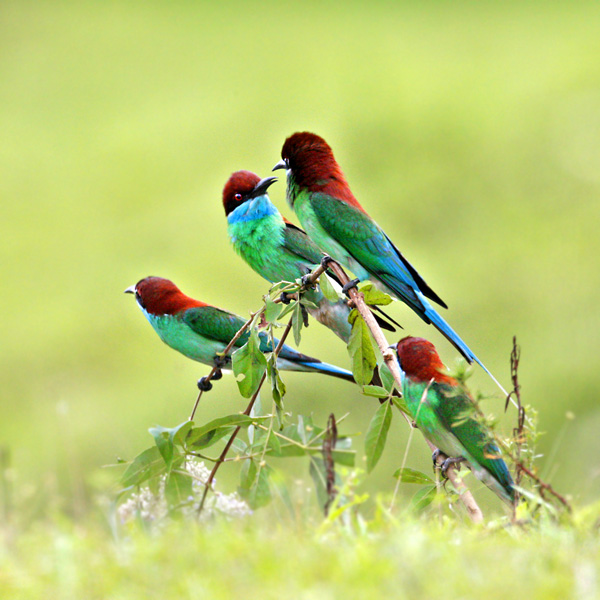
(357, 298)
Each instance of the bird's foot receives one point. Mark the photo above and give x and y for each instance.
(306, 281)
(434, 457)
(449, 462)
(350, 285)
(217, 375)
(326, 261)
(219, 362)
(285, 299)
(204, 385)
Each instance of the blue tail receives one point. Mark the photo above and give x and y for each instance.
(326, 369)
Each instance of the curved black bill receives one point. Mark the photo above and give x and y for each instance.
(280, 165)
(262, 186)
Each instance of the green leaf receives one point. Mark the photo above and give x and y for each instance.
(308, 304)
(374, 296)
(272, 310)
(196, 434)
(277, 385)
(210, 438)
(387, 379)
(249, 365)
(287, 309)
(407, 475)
(166, 438)
(164, 443)
(145, 465)
(328, 289)
(423, 498)
(319, 476)
(375, 390)
(178, 488)
(400, 404)
(360, 348)
(254, 484)
(297, 322)
(274, 443)
(377, 434)
(275, 289)
(180, 432)
(344, 457)
(287, 447)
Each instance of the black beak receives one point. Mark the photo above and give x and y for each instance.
(262, 186)
(282, 164)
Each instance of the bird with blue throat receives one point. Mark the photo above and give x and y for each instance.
(277, 249)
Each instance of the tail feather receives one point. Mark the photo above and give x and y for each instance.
(327, 369)
(438, 322)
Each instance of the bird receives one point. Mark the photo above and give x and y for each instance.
(201, 331)
(277, 249)
(333, 218)
(445, 413)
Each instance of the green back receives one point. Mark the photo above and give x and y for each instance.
(454, 411)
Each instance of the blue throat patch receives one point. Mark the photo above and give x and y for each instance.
(257, 208)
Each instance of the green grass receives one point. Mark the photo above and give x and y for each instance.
(258, 558)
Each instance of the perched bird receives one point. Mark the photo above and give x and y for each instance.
(200, 331)
(275, 248)
(445, 413)
(332, 217)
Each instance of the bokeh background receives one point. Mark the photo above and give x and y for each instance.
(469, 130)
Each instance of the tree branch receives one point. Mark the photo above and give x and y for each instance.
(225, 352)
(248, 410)
(357, 298)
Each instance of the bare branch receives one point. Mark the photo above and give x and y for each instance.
(248, 410)
(357, 298)
(225, 352)
(329, 443)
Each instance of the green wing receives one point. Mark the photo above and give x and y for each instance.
(298, 243)
(215, 324)
(221, 326)
(371, 247)
(456, 411)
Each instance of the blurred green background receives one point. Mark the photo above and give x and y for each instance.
(469, 130)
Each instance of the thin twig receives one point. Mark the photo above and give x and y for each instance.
(518, 433)
(329, 443)
(358, 300)
(408, 443)
(225, 352)
(545, 486)
(248, 410)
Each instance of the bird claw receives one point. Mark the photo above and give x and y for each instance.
(326, 261)
(217, 375)
(351, 284)
(219, 362)
(434, 457)
(450, 462)
(204, 385)
(285, 299)
(306, 281)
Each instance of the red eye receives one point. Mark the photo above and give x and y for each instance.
(238, 197)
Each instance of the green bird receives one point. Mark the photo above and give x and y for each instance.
(333, 218)
(445, 413)
(277, 249)
(201, 331)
